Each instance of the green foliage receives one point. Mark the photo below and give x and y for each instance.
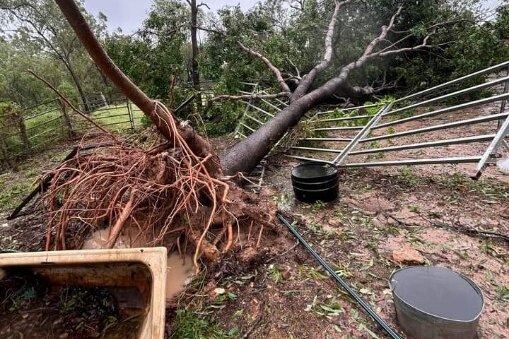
(157, 57)
(39, 38)
(158, 53)
(502, 23)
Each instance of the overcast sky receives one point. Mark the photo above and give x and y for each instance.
(129, 14)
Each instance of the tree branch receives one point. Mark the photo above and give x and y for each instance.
(385, 30)
(331, 86)
(210, 30)
(296, 69)
(327, 56)
(203, 5)
(250, 96)
(269, 64)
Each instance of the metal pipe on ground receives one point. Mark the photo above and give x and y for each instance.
(458, 141)
(327, 150)
(407, 162)
(327, 139)
(309, 159)
(445, 110)
(362, 134)
(340, 281)
(353, 128)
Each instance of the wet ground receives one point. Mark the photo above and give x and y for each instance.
(385, 219)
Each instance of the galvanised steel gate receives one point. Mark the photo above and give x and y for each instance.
(352, 137)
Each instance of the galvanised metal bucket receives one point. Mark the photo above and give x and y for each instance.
(436, 303)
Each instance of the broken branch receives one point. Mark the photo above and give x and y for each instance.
(269, 64)
(250, 96)
(308, 79)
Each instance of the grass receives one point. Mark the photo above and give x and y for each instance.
(116, 117)
(461, 182)
(15, 187)
(17, 184)
(189, 325)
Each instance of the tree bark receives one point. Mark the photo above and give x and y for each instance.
(77, 83)
(195, 72)
(245, 155)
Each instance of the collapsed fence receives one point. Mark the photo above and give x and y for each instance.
(392, 133)
(25, 131)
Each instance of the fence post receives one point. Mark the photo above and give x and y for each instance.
(130, 112)
(66, 118)
(20, 122)
(103, 99)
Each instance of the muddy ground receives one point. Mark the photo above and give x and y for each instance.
(385, 219)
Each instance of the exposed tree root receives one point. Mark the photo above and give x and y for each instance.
(166, 193)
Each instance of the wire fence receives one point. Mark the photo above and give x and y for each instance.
(26, 131)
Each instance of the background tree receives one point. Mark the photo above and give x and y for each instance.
(163, 55)
(38, 25)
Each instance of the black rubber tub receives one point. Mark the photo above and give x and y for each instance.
(312, 182)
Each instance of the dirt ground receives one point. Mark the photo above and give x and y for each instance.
(385, 219)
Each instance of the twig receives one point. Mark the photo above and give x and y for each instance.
(253, 326)
(72, 106)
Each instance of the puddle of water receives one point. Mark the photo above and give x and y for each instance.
(99, 239)
(438, 291)
(180, 272)
(180, 269)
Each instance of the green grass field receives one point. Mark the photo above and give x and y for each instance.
(116, 117)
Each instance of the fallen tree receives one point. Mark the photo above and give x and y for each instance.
(173, 192)
(246, 154)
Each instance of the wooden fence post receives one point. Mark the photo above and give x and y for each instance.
(66, 119)
(20, 122)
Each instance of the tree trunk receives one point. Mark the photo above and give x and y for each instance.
(195, 72)
(245, 155)
(77, 83)
(67, 120)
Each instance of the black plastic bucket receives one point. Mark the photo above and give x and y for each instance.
(312, 182)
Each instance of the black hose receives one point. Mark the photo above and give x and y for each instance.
(343, 284)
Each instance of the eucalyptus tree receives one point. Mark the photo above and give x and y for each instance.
(363, 43)
(38, 23)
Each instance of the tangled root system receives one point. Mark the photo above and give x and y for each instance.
(166, 193)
